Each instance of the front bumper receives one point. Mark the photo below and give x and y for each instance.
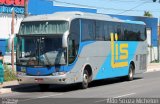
(60, 79)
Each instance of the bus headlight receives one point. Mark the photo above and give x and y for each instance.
(61, 73)
(20, 74)
(23, 69)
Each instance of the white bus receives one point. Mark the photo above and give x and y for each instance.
(77, 47)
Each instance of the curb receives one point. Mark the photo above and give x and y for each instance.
(21, 86)
(153, 70)
(8, 87)
(5, 90)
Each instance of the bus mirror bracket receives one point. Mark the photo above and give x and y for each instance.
(65, 39)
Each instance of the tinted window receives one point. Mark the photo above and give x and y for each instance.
(106, 31)
(74, 39)
(110, 29)
(88, 30)
(118, 30)
(143, 33)
(134, 32)
(100, 30)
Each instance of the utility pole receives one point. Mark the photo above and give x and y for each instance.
(25, 8)
(156, 0)
(12, 29)
(158, 41)
(12, 32)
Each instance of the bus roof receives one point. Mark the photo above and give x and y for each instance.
(68, 16)
(134, 22)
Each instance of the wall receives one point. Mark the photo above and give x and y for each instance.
(3, 46)
(5, 28)
(47, 7)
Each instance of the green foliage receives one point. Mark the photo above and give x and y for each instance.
(147, 14)
(9, 74)
(154, 0)
(155, 61)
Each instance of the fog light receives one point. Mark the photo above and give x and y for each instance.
(63, 79)
(23, 69)
(20, 74)
(61, 73)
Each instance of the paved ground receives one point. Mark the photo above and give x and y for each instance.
(148, 86)
(153, 67)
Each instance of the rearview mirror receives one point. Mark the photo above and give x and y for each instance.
(65, 39)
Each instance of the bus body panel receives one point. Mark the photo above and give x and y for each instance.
(108, 59)
(99, 58)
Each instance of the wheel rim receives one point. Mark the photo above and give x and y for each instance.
(131, 73)
(85, 79)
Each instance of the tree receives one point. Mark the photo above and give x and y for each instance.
(147, 14)
(156, 0)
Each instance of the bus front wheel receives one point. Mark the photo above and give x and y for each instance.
(85, 81)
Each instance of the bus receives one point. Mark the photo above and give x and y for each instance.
(78, 47)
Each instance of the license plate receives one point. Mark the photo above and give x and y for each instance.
(38, 80)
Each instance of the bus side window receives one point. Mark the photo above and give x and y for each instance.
(71, 50)
(88, 30)
(122, 32)
(106, 31)
(119, 33)
(142, 35)
(99, 30)
(126, 33)
(74, 39)
(110, 30)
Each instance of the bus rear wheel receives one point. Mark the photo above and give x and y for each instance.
(130, 73)
(85, 81)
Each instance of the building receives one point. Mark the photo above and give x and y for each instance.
(6, 8)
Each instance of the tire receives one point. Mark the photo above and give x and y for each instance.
(130, 73)
(44, 87)
(85, 81)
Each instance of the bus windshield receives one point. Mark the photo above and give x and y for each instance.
(40, 51)
(43, 27)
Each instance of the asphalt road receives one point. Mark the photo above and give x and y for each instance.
(147, 86)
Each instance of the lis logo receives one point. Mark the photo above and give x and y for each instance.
(119, 52)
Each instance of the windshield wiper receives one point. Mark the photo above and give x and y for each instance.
(47, 59)
(41, 49)
(34, 55)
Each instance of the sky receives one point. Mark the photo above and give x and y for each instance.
(120, 7)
